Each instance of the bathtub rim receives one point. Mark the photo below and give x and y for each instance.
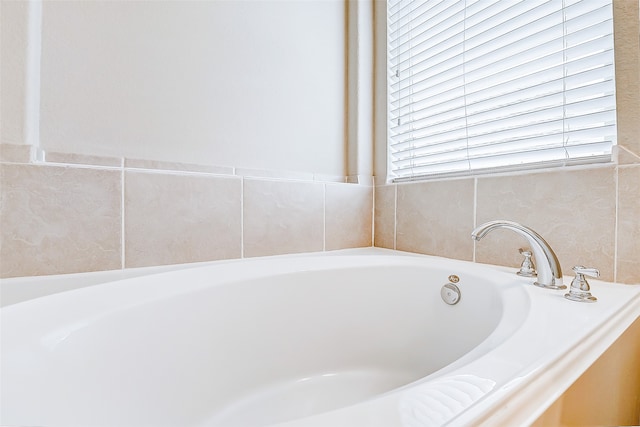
(529, 399)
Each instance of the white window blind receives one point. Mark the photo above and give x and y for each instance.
(485, 85)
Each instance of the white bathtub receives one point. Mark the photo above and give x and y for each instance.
(355, 338)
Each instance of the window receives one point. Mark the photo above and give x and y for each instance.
(485, 85)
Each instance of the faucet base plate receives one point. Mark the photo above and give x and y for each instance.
(542, 285)
(581, 298)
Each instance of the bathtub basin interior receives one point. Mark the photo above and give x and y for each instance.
(208, 347)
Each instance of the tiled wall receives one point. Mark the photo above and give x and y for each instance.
(79, 213)
(589, 215)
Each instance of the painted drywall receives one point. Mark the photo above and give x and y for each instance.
(360, 88)
(248, 84)
(14, 53)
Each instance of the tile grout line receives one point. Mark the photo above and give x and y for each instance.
(122, 219)
(395, 216)
(324, 217)
(475, 213)
(373, 215)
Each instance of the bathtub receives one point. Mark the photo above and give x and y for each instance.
(348, 338)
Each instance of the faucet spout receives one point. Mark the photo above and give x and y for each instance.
(549, 271)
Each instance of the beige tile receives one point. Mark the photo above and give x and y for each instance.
(624, 157)
(385, 216)
(436, 218)
(16, 153)
(348, 216)
(282, 217)
(360, 179)
(573, 210)
(276, 174)
(321, 177)
(628, 269)
(59, 220)
(175, 166)
(627, 59)
(172, 218)
(82, 159)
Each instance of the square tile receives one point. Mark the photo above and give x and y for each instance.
(56, 220)
(572, 209)
(436, 218)
(282, 217)
(348, 216)
(385, 216)
(176, 218)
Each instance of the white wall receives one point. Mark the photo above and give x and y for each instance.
(251, 84)
(14, 71)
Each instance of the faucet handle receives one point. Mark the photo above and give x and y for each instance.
(580, 289)
(527, 269)
(580, 269)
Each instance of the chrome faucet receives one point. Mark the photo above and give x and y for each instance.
(549, 271)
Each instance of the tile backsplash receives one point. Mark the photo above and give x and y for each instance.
(574, 210)
(175, 218)
(75, 213)
(283, 217)
(628, 225)
(440, 207)
(589, 215)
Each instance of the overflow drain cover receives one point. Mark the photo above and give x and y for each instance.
(450, 294)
